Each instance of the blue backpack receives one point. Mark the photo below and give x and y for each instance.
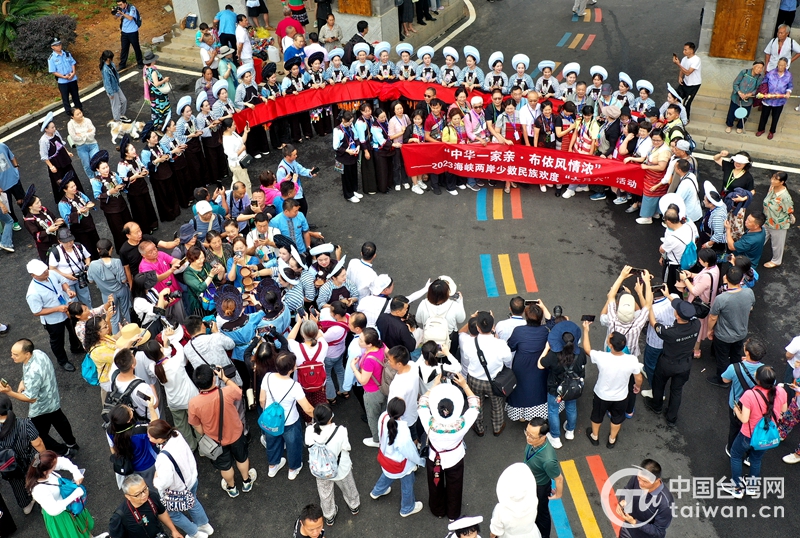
(765, 435)
(89, 371)
(689, 256)
(273, 419)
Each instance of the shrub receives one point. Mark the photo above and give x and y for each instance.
(32, 46)
(13, 14)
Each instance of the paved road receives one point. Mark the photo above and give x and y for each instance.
(576, 248)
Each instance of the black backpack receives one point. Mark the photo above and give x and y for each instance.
(571, 387)
(348, 57)
(116, 397)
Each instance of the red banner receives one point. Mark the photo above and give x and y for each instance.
(340, 93)
(523, 164)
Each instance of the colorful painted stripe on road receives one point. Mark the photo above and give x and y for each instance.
(588, 43)
(564, 39)
(560, 520)
(581, 500)
(507, 271)
(488, 276)
(498, 201)
(480, 205)
(600, 478)
(598, 15)
(587, 15)
(576, 41)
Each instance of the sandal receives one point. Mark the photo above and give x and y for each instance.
(514, 185)
(344, 395)
(332, 402)
(738, 131)
(507, 190)
(697, 353)
(727, 129)
(770, 265)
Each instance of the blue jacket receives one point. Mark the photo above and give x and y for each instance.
(110, 78)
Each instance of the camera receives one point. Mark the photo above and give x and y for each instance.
(83, 280)
(174, 295)
(115, 10)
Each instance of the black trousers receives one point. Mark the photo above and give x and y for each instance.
(58, 420)
(784, 17)
(18, 193)
(765, 112)
(687, 93)
(677, 378)
(671, 277)
(630, 407)
(734, 428)
(131, 39)
(423, 11)
(349, 180)
(726, 353)
(70, 89)
(444, 498)
(245, 373)
(56, 332)
(543, 521)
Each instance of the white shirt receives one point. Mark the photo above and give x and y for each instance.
(425, 371)
(339, 445)
(263, 252)
(447, 440)
(231, 144)
(76, 258)
(528, 114)
(794, 349)
(613, 374)
(373, 306)
(139, 403)
(406, 387)
(285, 391)
(47, 493)
(335, 333)
(205, 56)
(166, 476)
(496, 351)
(320, 350)
(452, 310)
(674, 243)
(179, 389)
(694, 79)
(665, 315)
(361, 274)
(790, 48)
(504, 328)
(686, 190)
(247, 49)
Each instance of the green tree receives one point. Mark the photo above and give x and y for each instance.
(15, 12)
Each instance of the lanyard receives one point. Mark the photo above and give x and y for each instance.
(529, 456)
(53, 289)
(508, 121)
(730, 181)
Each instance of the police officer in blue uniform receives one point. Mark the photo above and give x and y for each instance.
(129, 33)
(63, 66)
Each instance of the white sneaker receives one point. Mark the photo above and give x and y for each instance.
(619, 200)
(358, 195)
(644, 220)
(582, 188)
(198, 534)
(273, 469)
(797, 108)
(417, 508)
(397, 187)
(453, 192)
(791, 458)
(569, 435)
(354, 199)
(746, 461)
(207, 528)
(554, 441)
(388, 491)
(462, 187)
(416, 190)
(294, 472)
(370, 443)
(569, 193)
(406, 186)
(543, 188)
(263, 441)
(257, 155)
(648, 391)
(423, 185)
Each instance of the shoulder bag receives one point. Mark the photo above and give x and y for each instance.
(177, 500)
(229, 369)
(388, 464)
(701, 307)
(738, 368)
(504, 382)
(207, 446)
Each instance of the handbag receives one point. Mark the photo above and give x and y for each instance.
(504, 382)
(387, 464)
(229, 369)
(122, 465)
(701, 307)
(65, 488)
(246, 160)
(177, 500)
(209, 447)
(763, 88)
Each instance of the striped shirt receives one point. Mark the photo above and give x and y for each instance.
(20, 441)
(663, 311)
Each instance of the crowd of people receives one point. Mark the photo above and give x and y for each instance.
(249, 309)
